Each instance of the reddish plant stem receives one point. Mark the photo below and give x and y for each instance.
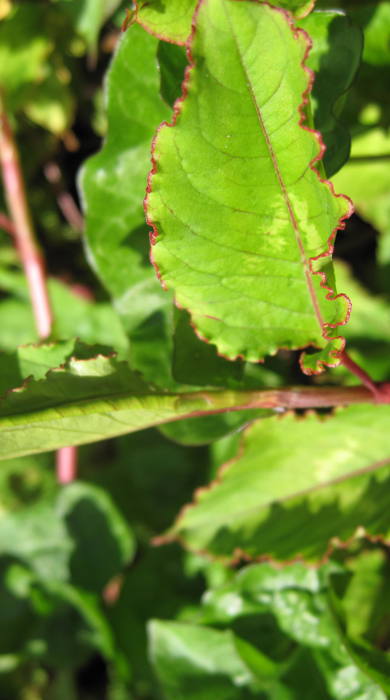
(381, 392)
(31, 257)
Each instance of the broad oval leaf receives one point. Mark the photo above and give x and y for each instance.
(243, 225)
(296, 484)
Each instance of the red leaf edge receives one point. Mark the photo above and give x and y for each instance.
(331, 295)
(240, 555)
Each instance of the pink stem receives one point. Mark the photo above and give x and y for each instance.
(361, 374)
(30, 254)
(66, 464)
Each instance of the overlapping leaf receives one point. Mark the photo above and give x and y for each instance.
(171, 19)
(296, 484)
(239, 214)
(113, 186)
(334, 57)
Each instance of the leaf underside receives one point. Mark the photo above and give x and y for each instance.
(242, 222)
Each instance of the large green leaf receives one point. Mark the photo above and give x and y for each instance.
(298, 599)
(296, 484)
(334, 57)
(171, 20)
(113, 181)
(238, 213)
(113, 186)
(91, 399)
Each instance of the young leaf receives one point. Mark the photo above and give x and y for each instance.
(242, 223)
(296, 484)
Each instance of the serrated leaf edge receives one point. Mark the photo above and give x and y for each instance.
(331, 295)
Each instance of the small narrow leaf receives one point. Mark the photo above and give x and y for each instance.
(243, 226)
(296, 484)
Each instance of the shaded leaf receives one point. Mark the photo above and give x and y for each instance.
(113, 186)
(113, 181)
(192, 661)
(334, 58)
(295, 485)
(267, 232)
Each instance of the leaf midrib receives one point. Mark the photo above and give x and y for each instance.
(305, 261)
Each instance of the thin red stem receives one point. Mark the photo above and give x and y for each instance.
(381, 392)
(21, 227)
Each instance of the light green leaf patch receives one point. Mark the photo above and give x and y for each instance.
(296, 484)
(238, 213)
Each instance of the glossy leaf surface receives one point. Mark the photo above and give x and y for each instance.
(296, 484)
(238, 212)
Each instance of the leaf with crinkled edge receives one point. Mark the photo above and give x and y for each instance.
(295, 485)
(240, 216)
(93, 399)
(171, 19)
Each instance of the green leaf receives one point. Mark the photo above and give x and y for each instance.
(113, 186)
(198, 363)
(88, 400)
(374, 662)
(197, 662)
(206, 429)
(113, 181)
(54, 538)
(88, 17)
(171, 20)
(298, 599)
(334, 58)
(172, 62)
(221, 239)
(296, 484)
(33, 73)
(376, 22)
(366, 179)
(91, 516)
(91, 322)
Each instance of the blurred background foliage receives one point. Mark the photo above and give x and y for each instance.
(89, 608)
